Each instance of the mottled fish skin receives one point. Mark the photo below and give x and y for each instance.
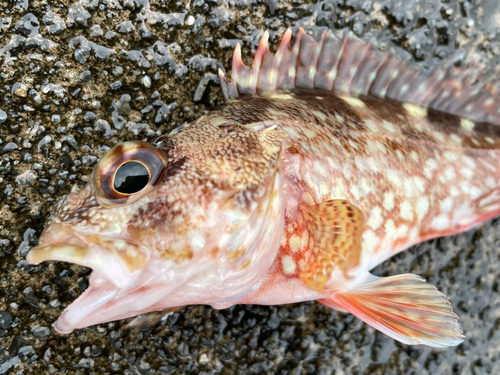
(291, 192)
(414, 177)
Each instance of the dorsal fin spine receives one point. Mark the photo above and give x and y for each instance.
(317, 52)
(358, 68)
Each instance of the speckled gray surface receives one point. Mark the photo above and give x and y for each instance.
(78, 78)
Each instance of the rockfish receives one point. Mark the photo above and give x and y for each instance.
(328, 158)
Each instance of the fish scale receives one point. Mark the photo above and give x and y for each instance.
(328, 158)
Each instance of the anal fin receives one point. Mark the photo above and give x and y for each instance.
(403, 307)
(336, 227)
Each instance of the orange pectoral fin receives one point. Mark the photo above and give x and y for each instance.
(405, 308)
(336, 227)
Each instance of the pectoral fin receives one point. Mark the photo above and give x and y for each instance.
(336, 227)
(403, 307)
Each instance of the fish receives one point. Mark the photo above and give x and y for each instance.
(329, 157)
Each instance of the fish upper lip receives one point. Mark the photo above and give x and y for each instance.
(61, 243)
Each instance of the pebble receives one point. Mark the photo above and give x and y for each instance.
(28, 25)
(86, 75)
(77, 13)
(8, 147)
(55, 119)
(20, 89)
(5, 319)
(3, 116)
(41, 332)
(117, 71)
(117, 85)
(55, 24)
(55, 304)
(146, 82)
(70, 139)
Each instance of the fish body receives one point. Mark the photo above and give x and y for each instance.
(295, 189)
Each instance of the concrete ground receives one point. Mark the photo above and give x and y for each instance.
(79, 78)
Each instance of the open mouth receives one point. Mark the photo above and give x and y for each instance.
(115, 269)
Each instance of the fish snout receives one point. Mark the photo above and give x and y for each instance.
(114, 259)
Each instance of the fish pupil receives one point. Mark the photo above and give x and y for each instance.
(131, 177)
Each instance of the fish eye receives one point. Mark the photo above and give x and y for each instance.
(131, 177)
(128, 172)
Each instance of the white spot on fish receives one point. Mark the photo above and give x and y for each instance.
(372, 126)
(295, 243)
(446, 205)
(319, 168)
(120, 244)
(370, 241)
(490, 182)
(464, 215)
(394, 178)
(467, 173)
(376, 218)
(454, 192)
(283, 96)
(451, 156)
(489, 140)
(392, 233)
(402, 231)
(324, 189)
(131, 252)
(414, 234)
(439, 136)
(388, 126)
(353, 102)
(415, 110)
(366, 186)
(372, 165)
(390, 229)
(470, 163)
(429, 168)
(409, 187)
(353, 144)
(340, 188)
(320, 115)
(449, 173)
(419, 184)
(456, 139)
(475, 192)
(422, 207)
(467, 124)
(389, 201)
(441, 222)
(289, 265)
(355, 191)
(81, 223)
(310, 133)
(406, 211)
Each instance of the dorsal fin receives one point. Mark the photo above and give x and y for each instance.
(352, 66)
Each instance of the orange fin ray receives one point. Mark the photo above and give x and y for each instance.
(403, 307)
(336, 227)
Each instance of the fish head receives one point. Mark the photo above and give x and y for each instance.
(194, 218)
